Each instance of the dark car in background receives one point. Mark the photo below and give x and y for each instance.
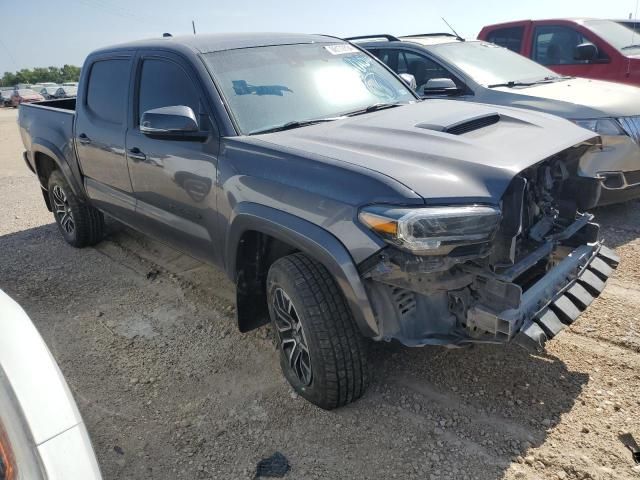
(5, 97)
(25, 95)
(66, 92)
(49, 93)
(582, 47)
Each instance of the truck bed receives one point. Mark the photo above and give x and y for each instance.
(47, 129)
(63, 104)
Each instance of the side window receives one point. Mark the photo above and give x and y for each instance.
(422, 68)
(165, 84)
(382, 54)
(108, 88)
(556, 45)
(510, 38)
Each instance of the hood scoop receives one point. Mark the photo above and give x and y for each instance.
(466, 126)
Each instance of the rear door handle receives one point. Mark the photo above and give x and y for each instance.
(82, 138)
(136, 155)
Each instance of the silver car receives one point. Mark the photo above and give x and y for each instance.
(42, 435)
(446, 66)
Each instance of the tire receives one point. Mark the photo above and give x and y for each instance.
(80, 224)
(333, 371)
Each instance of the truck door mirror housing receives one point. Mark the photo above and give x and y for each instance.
(174, 120)
(410, 80)
(440, 85)
(586, 51)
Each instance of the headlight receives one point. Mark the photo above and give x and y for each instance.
(601, 126)
(432, 230)
(19, 458)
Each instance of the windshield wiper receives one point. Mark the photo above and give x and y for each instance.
(374, 108)
(629, 47)
(515, 83)
(295, 124)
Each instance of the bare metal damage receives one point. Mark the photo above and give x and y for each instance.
(542, 269)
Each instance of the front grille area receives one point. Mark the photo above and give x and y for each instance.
(631, 126)
(632, 178)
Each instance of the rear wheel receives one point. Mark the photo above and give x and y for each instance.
(322, 353)
(81, 225)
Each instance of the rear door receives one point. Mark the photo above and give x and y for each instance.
(101, 126)
(174, 178)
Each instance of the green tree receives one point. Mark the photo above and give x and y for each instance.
(67, 73)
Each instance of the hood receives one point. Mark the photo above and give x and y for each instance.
(410, 145)
(577, 98)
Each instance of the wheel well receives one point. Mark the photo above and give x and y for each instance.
(256, 253)
(45, 165)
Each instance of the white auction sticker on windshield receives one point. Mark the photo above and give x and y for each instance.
(341, 49)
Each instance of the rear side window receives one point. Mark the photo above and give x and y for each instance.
(108, 88)
(165, 84)
(510, 38)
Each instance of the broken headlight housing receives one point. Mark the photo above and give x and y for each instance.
(602, 126)
(432, 230)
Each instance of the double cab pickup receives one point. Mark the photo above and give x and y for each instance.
(341, 205)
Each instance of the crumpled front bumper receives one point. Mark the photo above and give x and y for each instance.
(590, 266)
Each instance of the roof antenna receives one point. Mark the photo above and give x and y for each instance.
(166, 35)
(633, 38)
(458, 37)
(193, 24)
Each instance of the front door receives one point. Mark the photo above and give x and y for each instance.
(174, 179)
(554, 46)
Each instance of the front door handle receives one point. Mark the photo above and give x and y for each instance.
(82, 138)
(136, 155)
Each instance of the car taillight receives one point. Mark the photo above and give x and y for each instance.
(19, 456)
(7, 462)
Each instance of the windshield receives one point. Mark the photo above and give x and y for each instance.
(266, 87)
(617, 35)
(489, 64)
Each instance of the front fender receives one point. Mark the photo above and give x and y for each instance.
(311, 239)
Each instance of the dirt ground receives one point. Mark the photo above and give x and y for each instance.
(169, 388)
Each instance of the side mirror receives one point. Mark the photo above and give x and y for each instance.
(440, 85)
(175, 120)
(409, 79)
(586, 51)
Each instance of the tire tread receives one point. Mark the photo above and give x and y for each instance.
(341, 346)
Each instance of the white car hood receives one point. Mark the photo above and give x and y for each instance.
(577, 98)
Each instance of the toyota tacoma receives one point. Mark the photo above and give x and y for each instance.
(341, 206)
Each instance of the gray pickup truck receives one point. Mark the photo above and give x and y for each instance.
(341, 205)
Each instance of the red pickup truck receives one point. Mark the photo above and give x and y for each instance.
(591, 48)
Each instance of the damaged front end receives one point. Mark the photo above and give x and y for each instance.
(521, 270)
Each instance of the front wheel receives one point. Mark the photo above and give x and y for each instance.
(322, 353)
(81, 224)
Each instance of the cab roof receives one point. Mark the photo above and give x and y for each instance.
(579, 20)
(207, 43)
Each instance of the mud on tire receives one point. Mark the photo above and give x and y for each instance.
(322, 353)
(81, 224)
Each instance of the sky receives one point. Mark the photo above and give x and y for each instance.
(42, 33)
